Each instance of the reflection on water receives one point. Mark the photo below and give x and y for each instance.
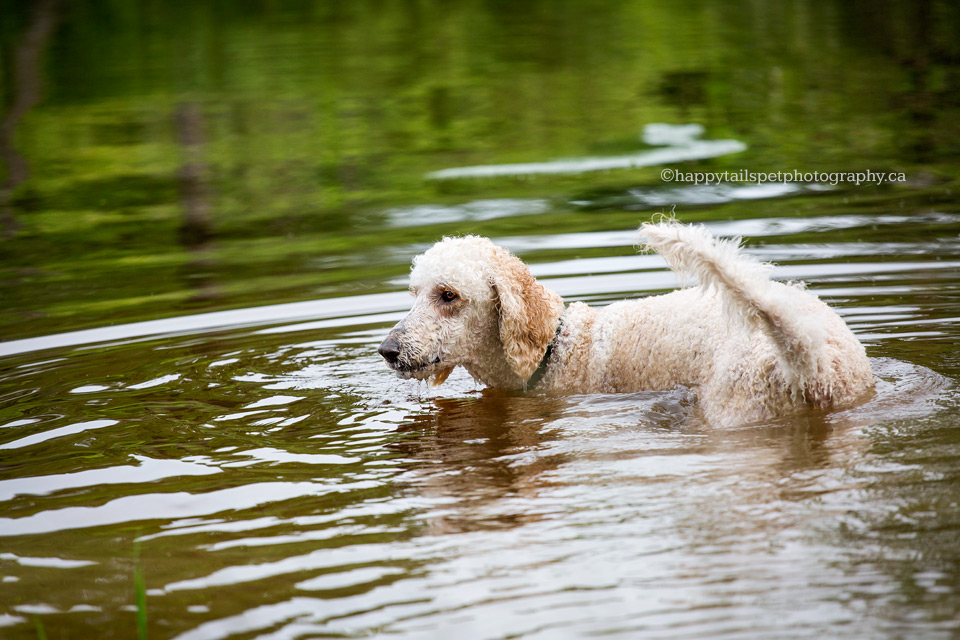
(467, 212)
(680, 142)
(214, 234)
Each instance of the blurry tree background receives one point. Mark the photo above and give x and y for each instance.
(163, 156)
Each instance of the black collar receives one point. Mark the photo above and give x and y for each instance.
(541, 370)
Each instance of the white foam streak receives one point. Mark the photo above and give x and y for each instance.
(680, 142)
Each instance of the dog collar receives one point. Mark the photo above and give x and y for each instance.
(541, 370)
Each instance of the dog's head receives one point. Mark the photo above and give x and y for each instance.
(476, 305)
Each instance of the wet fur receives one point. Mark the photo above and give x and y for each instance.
(752, 348)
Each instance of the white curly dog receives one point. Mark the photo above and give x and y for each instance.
(751, 348)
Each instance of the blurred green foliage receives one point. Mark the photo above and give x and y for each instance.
(189, 156)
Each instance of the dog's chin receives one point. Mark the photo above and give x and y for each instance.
(435, 373)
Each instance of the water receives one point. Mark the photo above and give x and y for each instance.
(213, 236)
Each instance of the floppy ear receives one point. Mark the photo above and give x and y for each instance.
(528, 313)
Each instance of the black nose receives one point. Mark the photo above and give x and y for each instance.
(390, 349)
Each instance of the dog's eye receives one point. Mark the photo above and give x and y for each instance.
(448, 296)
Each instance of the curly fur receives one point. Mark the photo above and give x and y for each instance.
(752, 348)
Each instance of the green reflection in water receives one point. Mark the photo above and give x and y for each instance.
(193, 156)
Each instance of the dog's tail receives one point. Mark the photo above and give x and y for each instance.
(747, 293)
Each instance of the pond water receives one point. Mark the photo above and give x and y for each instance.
(210, 212)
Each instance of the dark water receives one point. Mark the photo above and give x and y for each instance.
(209, 213)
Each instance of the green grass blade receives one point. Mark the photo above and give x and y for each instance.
(41, 633)
(141, 589)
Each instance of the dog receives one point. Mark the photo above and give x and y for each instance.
(752, 349)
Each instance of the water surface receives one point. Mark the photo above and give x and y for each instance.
(213, 235)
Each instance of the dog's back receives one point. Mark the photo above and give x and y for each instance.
(820, 361)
